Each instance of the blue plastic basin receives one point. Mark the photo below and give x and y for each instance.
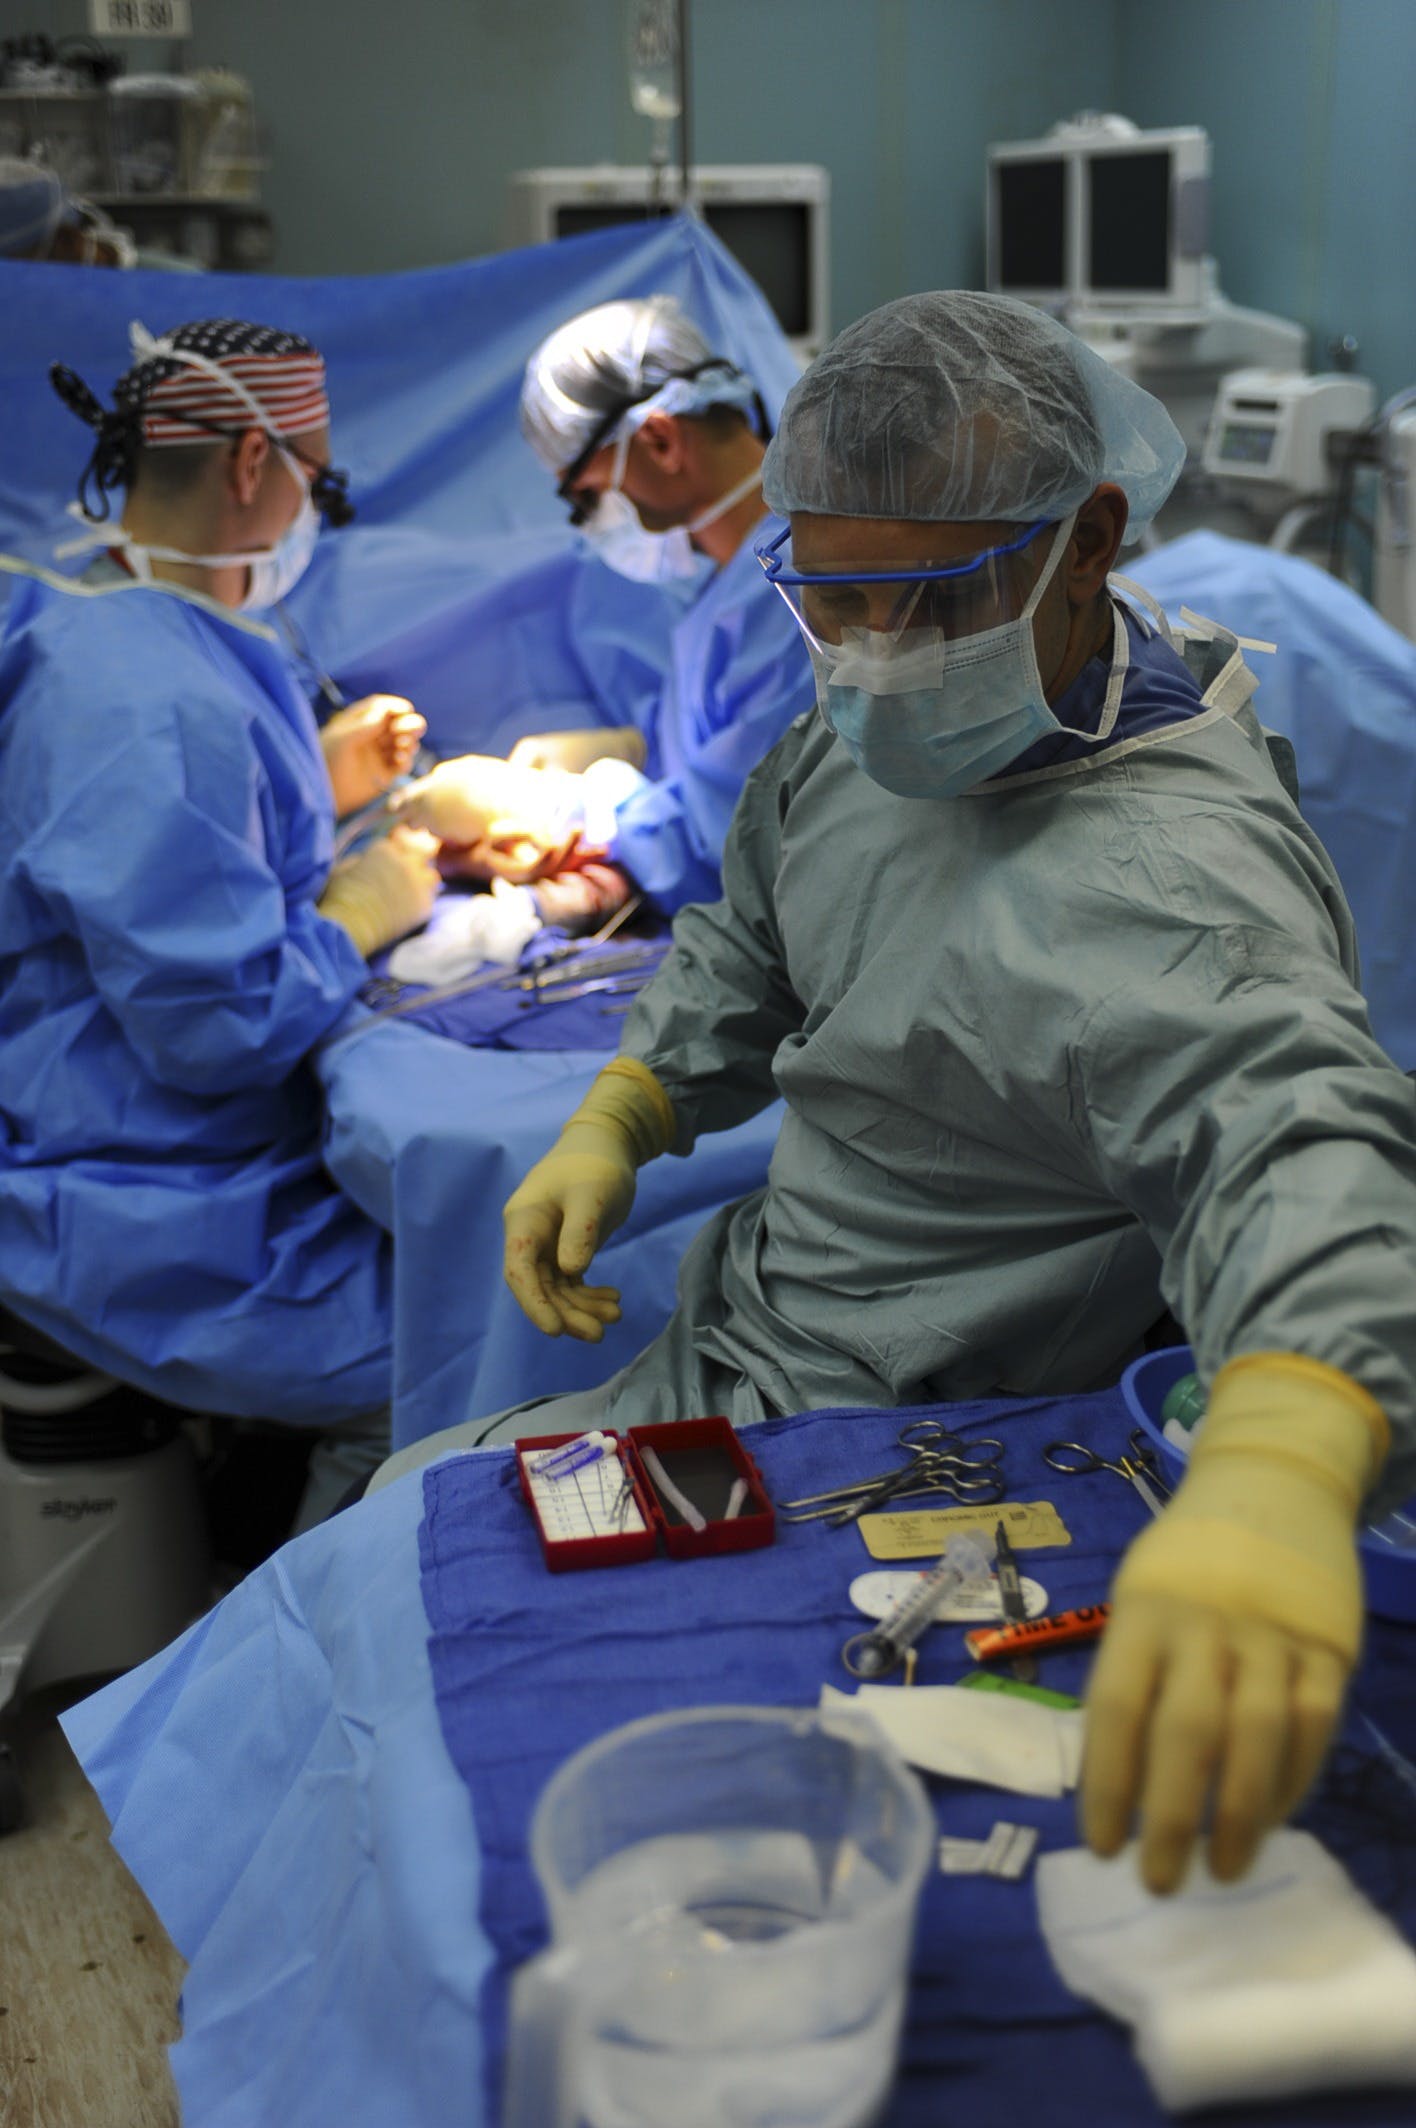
(1388, 1561)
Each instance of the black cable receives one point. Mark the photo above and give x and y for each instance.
(1358, 450)
(119, 432)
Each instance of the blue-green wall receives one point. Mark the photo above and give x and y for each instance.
(1311, 110)
(391, 129)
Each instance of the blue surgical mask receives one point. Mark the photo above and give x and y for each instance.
(934, 718)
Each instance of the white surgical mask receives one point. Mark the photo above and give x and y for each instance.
(276, 571)
(272, 572)
(629, 548)
(934, 718)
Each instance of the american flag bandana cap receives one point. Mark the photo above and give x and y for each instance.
(224, 374)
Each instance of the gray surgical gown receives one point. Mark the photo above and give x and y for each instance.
(1051, 1054)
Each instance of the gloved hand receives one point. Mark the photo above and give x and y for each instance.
(582, 899)
(512, 858)
(368, 746)
(575, 750)
(1236, 1620)
(576, 1196)
(385, 891)
(477, 798)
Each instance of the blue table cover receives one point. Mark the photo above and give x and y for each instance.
(528, 1666)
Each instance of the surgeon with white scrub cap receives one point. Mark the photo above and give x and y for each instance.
(1060, 995)
(656, 443)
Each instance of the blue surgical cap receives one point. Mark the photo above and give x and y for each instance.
(31, 204)
(962, 407)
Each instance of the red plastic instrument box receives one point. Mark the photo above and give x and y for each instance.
(704, 1458)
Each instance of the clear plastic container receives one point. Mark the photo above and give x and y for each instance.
(731, 1894)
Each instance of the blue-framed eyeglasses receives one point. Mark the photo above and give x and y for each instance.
(958, 597)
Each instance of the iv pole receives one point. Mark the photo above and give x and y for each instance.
(685, 154)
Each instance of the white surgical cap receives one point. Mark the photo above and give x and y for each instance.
(630, 356)
(959, 407)
(31, 204)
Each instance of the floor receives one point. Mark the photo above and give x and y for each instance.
(88, 1979)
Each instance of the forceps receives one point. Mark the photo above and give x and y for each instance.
(1138, 1467)
(937, 1463)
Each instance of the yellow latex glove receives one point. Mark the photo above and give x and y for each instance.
(477, 798)
(1236, 1620)
(368, 746)
(575, 1197)
(575, 750)
(384, 892)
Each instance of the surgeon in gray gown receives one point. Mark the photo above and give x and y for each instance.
(1061, 996)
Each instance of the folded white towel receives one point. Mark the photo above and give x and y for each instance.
(465, 931)
(1286, 1982)
(975, 1736)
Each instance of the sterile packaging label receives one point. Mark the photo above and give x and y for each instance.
(923, 1532)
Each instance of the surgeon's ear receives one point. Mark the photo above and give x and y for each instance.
(662, 437)
(247, 464)
(1095, 543)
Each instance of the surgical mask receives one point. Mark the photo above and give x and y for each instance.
(276, 571)
(632, 550)
(273, 572)
(935, 718)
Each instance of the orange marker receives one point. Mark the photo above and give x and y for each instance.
(1036, 1635)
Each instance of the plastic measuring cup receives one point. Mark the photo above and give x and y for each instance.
(731, 1894)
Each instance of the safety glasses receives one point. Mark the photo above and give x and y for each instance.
(953, 600)
(329, 488)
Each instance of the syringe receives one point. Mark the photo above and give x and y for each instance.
(875, 1654)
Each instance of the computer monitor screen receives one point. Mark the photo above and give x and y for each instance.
(1031, 223)
(1128, 222)
(573, 219)
(770, 239)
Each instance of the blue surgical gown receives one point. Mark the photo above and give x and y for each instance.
(167, 824)
(738, 675)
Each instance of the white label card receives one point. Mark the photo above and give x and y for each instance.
(594, 1501)
(140, 18)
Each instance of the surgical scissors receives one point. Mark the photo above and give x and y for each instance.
(938, 1462)
(1138, 1466)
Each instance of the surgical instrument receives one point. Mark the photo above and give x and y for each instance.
(414, 998)
(571, 1455)
(1010, 1596)
(616, 985)
(1138, 1467)
(937, 1464)
(570, 970)
(876, 1653)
